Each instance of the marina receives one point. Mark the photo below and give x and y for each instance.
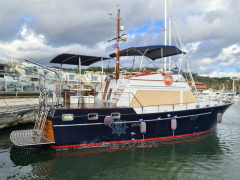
(131, 97)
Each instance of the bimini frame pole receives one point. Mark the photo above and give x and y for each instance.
(102, 76)
(79, 90)
(142, 58)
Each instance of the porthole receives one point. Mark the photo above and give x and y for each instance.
(93, 116)
(116, 115)
(67, 117)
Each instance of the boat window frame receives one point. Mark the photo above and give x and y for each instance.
(93, 118)
(116, 117)
(69, 118)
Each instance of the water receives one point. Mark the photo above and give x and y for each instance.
(215, 155)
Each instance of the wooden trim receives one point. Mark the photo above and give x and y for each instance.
(105, 90)
(48, 131)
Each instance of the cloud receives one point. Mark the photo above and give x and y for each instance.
(33, 45)
(41, 30)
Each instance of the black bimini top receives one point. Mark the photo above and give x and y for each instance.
(152, 52)
(73, 59)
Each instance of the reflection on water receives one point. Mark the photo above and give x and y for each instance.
(29, 155)
(215, 155)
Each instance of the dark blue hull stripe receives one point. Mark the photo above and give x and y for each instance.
(91, 124)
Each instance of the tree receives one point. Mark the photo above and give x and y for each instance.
(226, 83)
(109, 70)
(94, 68)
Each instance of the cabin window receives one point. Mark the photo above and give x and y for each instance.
(93, 116)
(67, 117)
(71, 77)
(116, 115)
(95, 78)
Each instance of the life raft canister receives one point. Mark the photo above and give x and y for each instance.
(168, 79)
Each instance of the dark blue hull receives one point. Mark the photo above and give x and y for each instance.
(82, 131)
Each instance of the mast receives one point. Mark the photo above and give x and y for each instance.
(165, 13)
(233, 85)
(170, 42)
(117, 47)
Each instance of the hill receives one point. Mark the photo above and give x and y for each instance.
(216, 83)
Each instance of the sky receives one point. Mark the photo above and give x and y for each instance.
(42, 29)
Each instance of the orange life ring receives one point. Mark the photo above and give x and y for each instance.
(168, 79)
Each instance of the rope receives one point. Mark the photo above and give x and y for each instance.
(180, 41)
(4, 101)
(15, 100)
(227, 118)
(14, 114)
(30, 101)
(20, 119)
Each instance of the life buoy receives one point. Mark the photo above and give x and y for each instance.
(168, 79)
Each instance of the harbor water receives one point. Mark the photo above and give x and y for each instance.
(214, 155)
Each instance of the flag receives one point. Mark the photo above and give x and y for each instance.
(116, 45)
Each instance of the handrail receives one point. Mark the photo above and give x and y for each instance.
(48, 69)
(139, 102)
(94, 93)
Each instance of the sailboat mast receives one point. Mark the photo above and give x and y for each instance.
(233, 85)
(117, 48)
(165, 14)
(170, 40)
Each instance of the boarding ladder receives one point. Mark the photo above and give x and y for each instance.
(34, 136)
(41, 116)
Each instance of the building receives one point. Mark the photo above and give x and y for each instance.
(200, 86)
(7, 70)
